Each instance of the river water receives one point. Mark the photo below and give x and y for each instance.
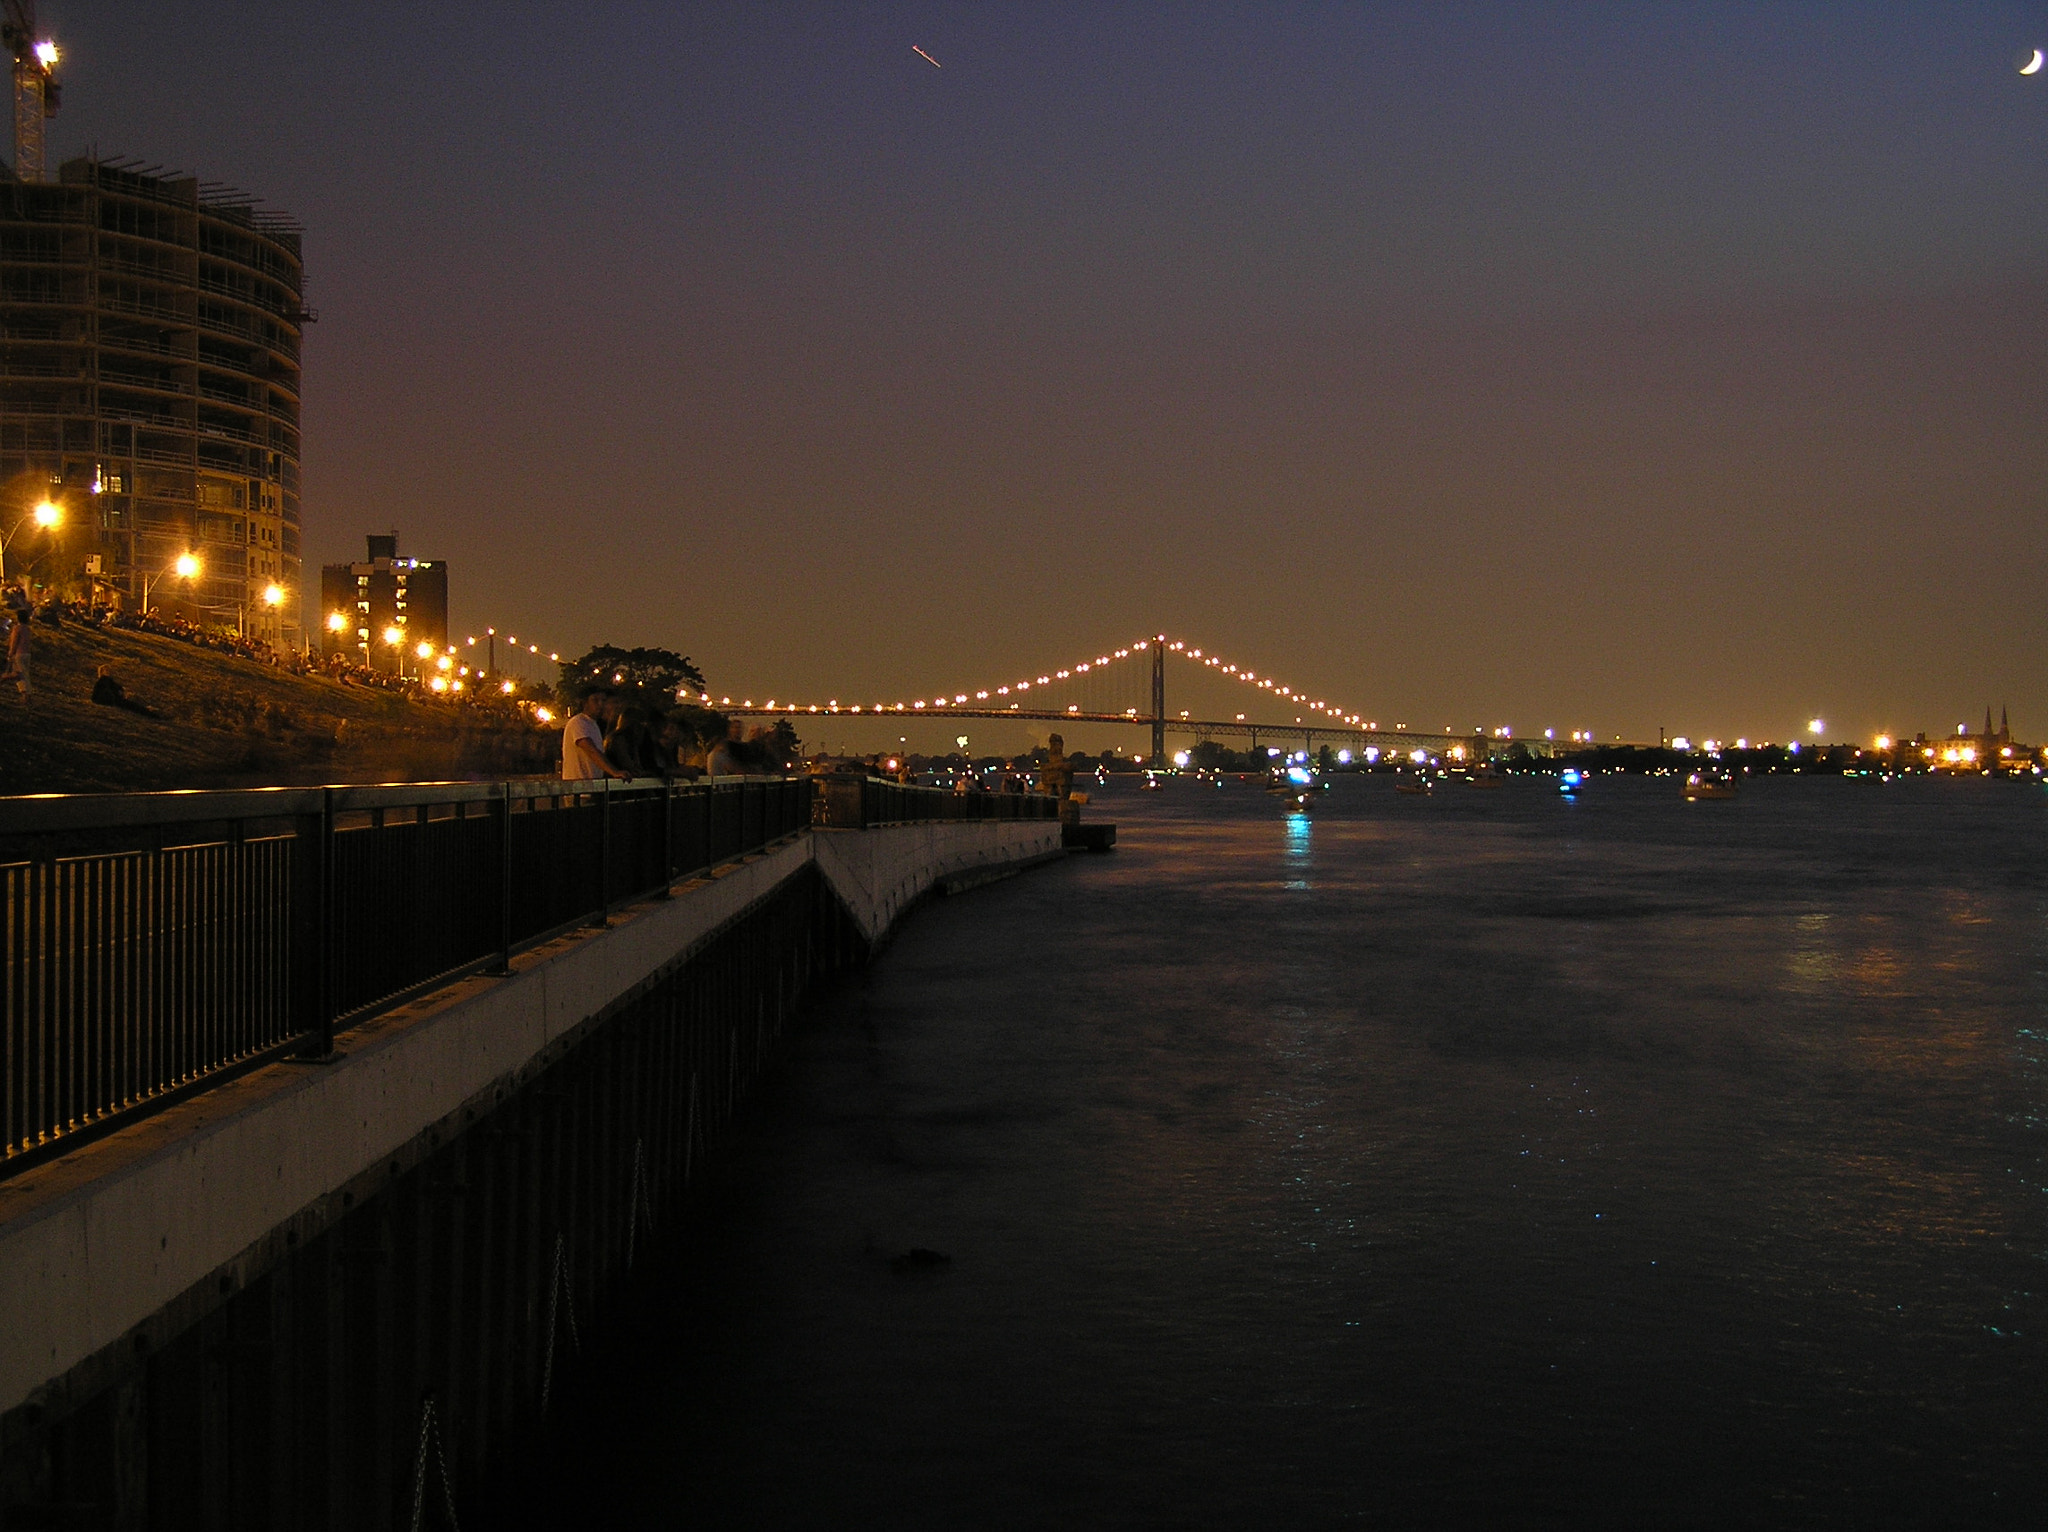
(1478, 1158)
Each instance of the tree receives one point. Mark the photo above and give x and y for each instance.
(783, 744)
(655, 678)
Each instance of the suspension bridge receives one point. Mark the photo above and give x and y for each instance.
(1128, 686)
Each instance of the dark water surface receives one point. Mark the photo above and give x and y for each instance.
(1483, 1157)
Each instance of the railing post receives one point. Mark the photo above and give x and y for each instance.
(315, 948)
(504, 806)
(603, 916)
(668, 838)
(327, 902)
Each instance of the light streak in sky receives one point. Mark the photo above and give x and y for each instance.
(926, 57)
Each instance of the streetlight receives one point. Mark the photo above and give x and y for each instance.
(185, 566)
(46, 514)
(273, 597)
(395, 637)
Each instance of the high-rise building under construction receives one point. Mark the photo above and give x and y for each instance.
(150, 327)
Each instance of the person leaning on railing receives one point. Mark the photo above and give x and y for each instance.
(631, 745)
(725, 758)
(583, 738)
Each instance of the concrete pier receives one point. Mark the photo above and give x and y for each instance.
(272, 1304)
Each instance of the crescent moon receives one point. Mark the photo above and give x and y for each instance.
(2032, 65)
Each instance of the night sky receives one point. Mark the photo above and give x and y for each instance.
(1618, 364)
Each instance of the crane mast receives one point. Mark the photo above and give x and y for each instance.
(35, 85)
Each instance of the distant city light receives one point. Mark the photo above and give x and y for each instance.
(1814, 726)
(47, 54)
(1884, 742)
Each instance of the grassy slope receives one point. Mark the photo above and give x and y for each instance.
(228, 722)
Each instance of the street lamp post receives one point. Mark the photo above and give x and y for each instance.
(45, 514)
(273, 597)
(185, 566)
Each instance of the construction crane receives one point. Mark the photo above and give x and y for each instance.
(35, 85)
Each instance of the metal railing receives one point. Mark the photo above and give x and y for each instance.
(153, 944)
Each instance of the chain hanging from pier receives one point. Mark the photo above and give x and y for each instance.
(558, 1290)
(639, 1204)
(430, 1433)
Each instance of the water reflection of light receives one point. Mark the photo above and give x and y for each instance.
(1300, 851)
(1814, 959)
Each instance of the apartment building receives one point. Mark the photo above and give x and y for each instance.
(150, 330)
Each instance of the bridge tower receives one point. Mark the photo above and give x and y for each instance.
(1158, 702)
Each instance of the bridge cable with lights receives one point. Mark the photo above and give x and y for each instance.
(1141, 664)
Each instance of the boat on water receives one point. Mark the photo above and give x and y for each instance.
(1710, 783)
(1570, 780)
(1294, 785)
(1413, 783)
(1488, 775)
(1152, 783)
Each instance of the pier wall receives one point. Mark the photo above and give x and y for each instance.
(280, 1302)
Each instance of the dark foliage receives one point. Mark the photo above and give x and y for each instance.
(654, 678)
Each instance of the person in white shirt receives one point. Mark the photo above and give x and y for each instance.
(583, 740)
(723, 760)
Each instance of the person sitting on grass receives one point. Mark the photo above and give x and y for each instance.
(107, 692)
